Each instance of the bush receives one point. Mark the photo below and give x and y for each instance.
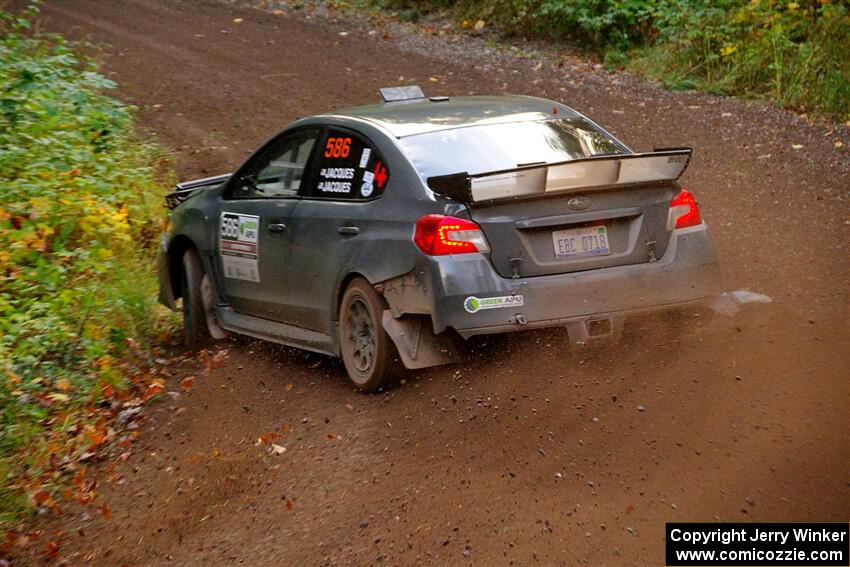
(80, 205)
(792, 51)
(796, 55)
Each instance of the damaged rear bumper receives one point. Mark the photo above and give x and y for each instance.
(466, 294)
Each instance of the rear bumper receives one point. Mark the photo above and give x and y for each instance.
(686, 275)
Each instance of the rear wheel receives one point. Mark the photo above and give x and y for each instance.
(195, 332)
(367, 351)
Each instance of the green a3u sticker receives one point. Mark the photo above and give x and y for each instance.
(474, 304)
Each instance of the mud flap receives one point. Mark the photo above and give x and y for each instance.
(210, 310)
(590, 331)
(417, 344)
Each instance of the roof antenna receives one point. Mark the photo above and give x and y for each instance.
(396, 94)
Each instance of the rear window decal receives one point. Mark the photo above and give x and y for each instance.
(380, 175)
(338, 147)
(367, 187)
(364, 157)
(335, 186)
(337, 173)
(239, 246)
(350, 169)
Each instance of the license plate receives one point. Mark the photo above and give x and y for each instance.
(579, 242)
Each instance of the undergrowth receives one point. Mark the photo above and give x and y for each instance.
(80, 207)
(794, 52)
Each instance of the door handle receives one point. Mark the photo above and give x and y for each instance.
(349, 230)
(276, 227)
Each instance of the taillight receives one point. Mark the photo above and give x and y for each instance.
(438, 235)
(684, 211)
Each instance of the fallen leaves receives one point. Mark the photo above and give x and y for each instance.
(51, 549)
(40, 498)
(85, 489)
(155, 387)
(9, 541)
(96, 438)
(13, 378)
(106, 390)
(59, 397)
(210, 363)
(187, 383)
(476, 25)
(267, 438)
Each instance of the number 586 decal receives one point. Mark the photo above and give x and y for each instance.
(338, 147)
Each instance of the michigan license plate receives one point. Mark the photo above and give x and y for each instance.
(579, 242)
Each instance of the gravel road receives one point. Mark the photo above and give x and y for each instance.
(529, 453)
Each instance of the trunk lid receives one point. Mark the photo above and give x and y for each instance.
(548, 236)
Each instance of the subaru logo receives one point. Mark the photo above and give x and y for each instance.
(578, 203)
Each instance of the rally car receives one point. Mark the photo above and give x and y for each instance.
(389, 233)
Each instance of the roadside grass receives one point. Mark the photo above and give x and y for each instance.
(80, 211)
(794, 52)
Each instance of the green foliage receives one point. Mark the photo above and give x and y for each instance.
(792, 51)
(797, 55)
(79, 207)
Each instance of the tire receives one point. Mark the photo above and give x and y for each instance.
(195, 332)
(368, 353)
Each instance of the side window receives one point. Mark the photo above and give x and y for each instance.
(279, 169)
(349, 169)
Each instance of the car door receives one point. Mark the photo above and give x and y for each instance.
(336, 217)
(254, 238)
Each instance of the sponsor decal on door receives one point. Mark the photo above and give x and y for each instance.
(239, 246)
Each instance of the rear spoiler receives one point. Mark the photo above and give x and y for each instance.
(662, 164)
(183, 191)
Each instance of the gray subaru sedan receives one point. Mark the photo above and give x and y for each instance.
(388, 234)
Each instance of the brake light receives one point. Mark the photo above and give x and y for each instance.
(439, 235)
(684, 211)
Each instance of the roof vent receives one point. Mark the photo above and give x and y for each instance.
(396, 94)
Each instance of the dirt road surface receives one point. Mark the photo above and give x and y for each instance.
(530, 453)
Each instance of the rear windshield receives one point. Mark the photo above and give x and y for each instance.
(493, 147)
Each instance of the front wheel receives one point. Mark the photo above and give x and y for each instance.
(367, 351)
